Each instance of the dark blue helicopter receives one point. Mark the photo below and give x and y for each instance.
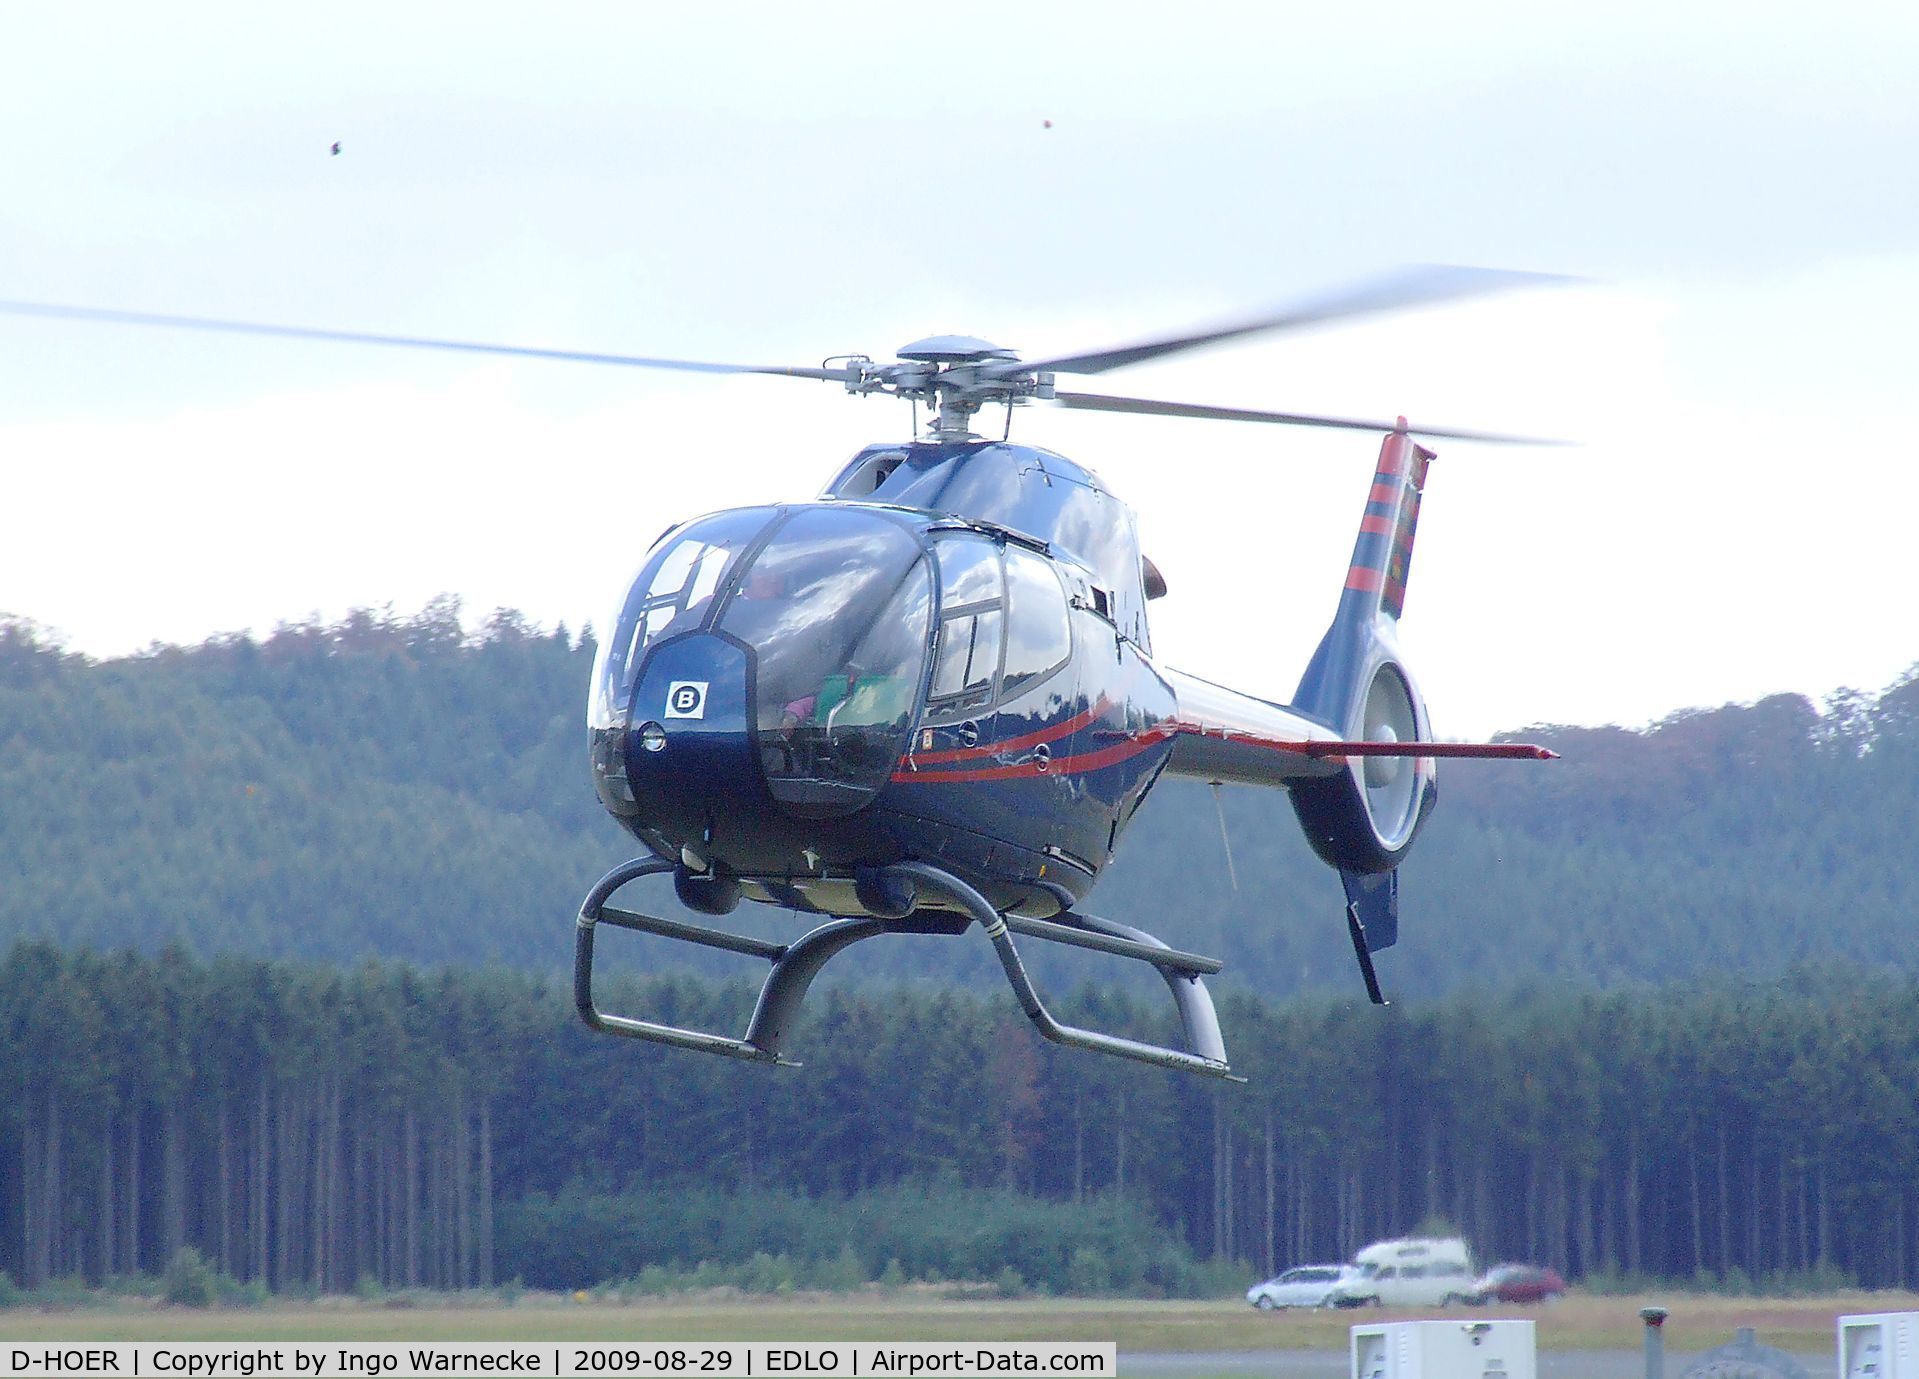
(929, 700)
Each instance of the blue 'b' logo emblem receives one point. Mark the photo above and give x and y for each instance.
(686, 699)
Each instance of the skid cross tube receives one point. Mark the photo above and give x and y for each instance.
(1208, 1050)
(794, 967)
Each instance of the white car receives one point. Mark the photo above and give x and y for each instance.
(1310, 1285)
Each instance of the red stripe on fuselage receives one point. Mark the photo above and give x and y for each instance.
(1078, 764)
(1335, 752)
(1011, 744)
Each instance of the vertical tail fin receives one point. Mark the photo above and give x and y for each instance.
(1363, 820)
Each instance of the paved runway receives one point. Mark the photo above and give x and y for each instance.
(1333, 1364)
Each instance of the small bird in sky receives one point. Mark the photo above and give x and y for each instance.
(336, 148)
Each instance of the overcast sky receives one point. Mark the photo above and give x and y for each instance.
(775, 184)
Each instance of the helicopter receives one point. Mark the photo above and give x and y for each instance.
(928, 699)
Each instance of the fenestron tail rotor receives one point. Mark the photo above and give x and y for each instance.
(957, 375)
(1392, 784)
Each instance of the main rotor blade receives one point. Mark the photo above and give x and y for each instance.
(354, 337)
(1407, 288)
(1141, 406)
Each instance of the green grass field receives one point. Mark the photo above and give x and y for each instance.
(1574, 1323)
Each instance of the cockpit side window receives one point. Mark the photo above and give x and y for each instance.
(969, 572)
(969, 658)
(972, 623)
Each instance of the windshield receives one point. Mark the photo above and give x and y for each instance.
(836, 607)
(671, 594)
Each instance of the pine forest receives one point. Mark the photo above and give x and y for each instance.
(284, 927)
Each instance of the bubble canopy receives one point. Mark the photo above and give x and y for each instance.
(835, 605)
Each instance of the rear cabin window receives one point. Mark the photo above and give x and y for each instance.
(1038, 630)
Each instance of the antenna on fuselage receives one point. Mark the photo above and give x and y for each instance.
(1225, 840)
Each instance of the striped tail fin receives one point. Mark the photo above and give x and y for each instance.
(1383, 555)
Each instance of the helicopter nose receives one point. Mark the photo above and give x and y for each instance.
(690, 760)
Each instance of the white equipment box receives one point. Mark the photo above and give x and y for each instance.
(1447, 1350)
(1879, 1345)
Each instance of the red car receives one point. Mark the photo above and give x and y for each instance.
(1518, 1283)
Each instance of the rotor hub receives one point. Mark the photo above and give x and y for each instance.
(955, 376)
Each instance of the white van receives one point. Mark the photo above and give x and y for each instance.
(1414, 1272)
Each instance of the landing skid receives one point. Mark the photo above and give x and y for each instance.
(795, 965)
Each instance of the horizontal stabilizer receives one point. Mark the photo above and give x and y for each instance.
(1490, 751)
(1335, 749)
